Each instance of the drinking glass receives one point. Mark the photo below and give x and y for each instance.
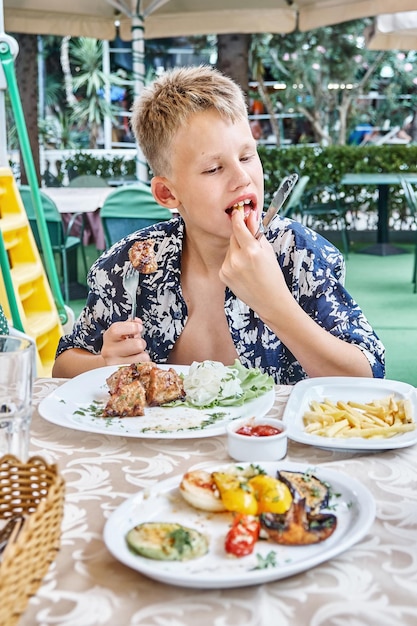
(16, 382)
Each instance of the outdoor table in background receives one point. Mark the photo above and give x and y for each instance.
(86, 200)
(371, 583)
(383, 182)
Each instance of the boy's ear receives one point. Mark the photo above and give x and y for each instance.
(163, 194)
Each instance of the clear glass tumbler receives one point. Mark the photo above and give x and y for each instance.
(16, 382)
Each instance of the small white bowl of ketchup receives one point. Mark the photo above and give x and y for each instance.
(257, 439)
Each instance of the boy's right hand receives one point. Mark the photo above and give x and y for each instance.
(123, 343)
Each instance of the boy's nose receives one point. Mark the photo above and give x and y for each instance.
(240, 177)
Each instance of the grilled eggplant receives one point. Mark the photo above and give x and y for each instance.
(306, 486)
(167, 541)
(298, 527)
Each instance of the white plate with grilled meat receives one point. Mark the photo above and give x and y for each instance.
(350, 501)
(79, 402)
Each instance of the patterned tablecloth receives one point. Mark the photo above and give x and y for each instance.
(375, 582)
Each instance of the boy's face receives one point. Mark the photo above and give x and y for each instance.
(215, 165)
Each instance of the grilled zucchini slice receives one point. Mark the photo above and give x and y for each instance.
(167, 541)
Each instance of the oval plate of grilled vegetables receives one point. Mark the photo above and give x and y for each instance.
(219, 526)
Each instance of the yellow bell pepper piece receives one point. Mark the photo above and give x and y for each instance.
(272, 495)
(236, 493)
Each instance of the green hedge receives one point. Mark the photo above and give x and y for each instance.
(324, 165)
(327, 165)
(81, 163)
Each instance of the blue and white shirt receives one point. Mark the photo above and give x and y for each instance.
(314, 271)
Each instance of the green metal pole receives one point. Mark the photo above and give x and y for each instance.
(8, 283)
(6, 59)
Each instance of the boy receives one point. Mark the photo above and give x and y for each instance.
(277, 303)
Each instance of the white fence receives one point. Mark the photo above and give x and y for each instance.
(50, 159)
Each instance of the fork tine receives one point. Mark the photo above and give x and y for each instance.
(130, 284)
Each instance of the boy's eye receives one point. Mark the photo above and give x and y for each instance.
(212, 170)
(247, 157)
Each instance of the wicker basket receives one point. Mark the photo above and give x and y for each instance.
(35, 490)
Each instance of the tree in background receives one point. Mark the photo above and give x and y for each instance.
(328, 75)
(86, 85)
(27, 80)
(233, 57)
(398, 84)
(324, 73)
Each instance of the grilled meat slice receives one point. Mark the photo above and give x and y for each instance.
(128, 401)
(127, 373)
(120, 377)
(133, 387)
(144, 372)
(142, 256)
(164, 386)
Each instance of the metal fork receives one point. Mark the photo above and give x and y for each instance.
(130, 284)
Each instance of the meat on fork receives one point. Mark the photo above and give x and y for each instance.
(142, 256)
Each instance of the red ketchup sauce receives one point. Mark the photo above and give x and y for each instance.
(258, 430)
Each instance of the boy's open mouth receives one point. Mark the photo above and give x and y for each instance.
(246, 206)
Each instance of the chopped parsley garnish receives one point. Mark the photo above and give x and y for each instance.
(180, 539)
(264, 562)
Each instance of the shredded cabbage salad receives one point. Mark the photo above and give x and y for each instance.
(210, 383)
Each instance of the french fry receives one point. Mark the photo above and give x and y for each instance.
(388, 431)
(384, 417)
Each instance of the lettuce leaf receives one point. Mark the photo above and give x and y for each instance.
(248, 383)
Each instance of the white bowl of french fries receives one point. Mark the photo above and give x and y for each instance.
(352, 413)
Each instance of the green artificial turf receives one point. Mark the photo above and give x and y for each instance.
(382, 287)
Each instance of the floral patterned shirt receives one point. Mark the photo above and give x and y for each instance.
(314, 272)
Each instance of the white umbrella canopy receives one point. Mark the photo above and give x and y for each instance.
(172, 18)
(149, 19)
(393, 31)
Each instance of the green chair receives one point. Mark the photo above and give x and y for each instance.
(323, 206)
(411, 199)
(87, 180)
(130, 208)
(62, 241)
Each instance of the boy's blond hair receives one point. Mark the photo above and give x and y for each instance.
(166, 104)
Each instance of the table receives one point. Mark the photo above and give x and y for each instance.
(375, 582)
(88, 201)
(382, 181)
(78, 199)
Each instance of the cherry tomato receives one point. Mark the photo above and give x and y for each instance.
(243, 535)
